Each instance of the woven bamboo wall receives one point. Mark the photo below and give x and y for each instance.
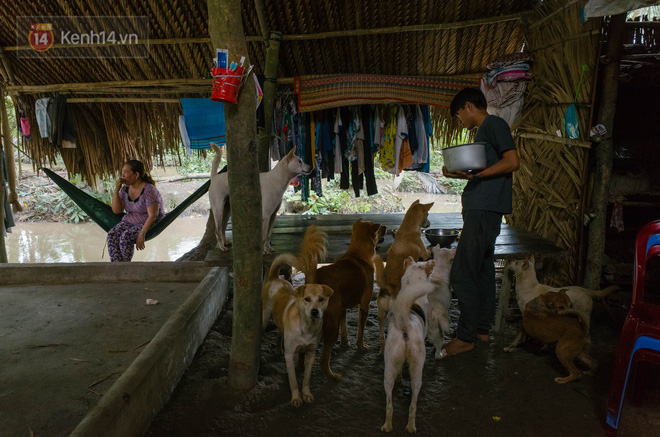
(550, 187)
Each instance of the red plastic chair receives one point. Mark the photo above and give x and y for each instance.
(640, 336)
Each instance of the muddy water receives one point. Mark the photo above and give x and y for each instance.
(68, 242)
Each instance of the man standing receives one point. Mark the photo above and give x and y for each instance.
(486, 198)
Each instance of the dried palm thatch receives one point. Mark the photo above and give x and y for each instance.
(549, 188)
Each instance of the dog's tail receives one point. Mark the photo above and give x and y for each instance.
(278, 263)
(405, 300)
(216, 159)
(380, 275)
(604, 292)
(312, 251)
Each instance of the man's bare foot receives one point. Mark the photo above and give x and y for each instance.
(483, 338)
(457, 346)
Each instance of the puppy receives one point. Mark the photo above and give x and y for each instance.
(407, 242)
(352, 278)
(528, 288)
(406, 330)
(542, 322)
(440, 298)
(273, 185)
(298, 314)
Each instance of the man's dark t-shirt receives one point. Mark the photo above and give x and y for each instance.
(494, 193)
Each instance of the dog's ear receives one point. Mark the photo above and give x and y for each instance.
(428, 206)
(408, 261)
(452, 253)
(531, 259)
(415, 202)
(327, 291)
(291, 154)
(525, 264)
(300, 290)
(430, 265)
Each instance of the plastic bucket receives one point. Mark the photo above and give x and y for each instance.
(226, 84)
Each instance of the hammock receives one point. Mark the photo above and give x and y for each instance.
(102, 213)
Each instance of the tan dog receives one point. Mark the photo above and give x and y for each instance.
(528, 288)
(407, 242)
(406, 330)
(297, 313)
(273, 185)
(542, 322)
(352, 279)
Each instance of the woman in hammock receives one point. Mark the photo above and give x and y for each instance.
(135, 193)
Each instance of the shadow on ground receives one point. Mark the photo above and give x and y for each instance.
(486, 392)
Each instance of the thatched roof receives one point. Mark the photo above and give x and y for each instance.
(416, 38)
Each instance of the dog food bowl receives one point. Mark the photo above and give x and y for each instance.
(442, 237)
(465, 157)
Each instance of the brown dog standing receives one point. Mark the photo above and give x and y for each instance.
(542, 321)
(352, 279)
(407, 242)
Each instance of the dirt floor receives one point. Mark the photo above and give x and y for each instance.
(486, 392)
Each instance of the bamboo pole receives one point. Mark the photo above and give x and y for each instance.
(121, 100)
(604, 153)
(3, 247)
(9, 154)
(555, 139)
(270, 70)
(226, 30)
(263, 22)
(95, 85)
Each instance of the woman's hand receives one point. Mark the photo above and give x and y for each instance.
(119, 184)
(139, 244)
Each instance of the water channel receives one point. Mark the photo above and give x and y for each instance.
(48, 242)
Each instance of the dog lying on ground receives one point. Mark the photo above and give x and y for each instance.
(528, 288)
(542, 321)
(406, 330)
(273, 185)
(297, 313)
(440, 298)
(352, 279)
(407, 242)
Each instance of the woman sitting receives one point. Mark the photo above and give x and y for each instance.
(136, 193)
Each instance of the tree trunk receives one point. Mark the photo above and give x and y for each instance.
(226, 31)
(604, 154)
(3, 248)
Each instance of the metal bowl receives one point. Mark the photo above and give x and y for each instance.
(465, 157)
(442, 237)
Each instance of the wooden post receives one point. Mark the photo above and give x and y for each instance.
(272, 56)
(226, 31)
(9, 153)
(604, 153)
(3, 248)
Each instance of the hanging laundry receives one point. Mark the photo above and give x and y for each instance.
(63, 131)
(184, 135)
(505, 84)
(43, 120)
(205, 122)
(387, 154)
(25, 125)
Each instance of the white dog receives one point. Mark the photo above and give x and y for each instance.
(406, 331)
(440, 298)
(273, 185)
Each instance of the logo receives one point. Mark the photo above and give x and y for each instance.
(41, 36)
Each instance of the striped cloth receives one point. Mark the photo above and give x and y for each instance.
(205, 122)
(330, 91)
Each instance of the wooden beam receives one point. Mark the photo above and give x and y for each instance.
(121, 100)
(414, 28)
(549, 16)
(153, 42)
(604, 153)
(270, 70)
(561, 40)
(95, 85)
(555, 139)
(263, 22)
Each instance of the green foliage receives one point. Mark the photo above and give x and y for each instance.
(199, 162)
